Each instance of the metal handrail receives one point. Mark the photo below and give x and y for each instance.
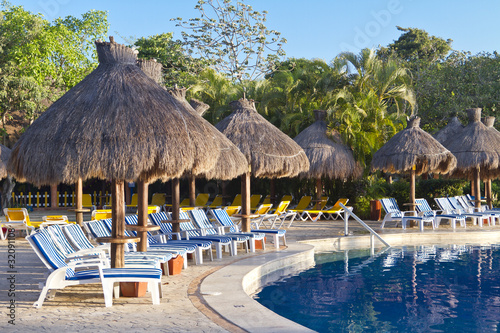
(373, 234)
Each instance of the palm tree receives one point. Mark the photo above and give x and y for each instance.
(370, 111)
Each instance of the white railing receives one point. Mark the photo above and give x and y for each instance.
(373, 234)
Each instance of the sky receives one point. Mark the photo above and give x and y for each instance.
(313, 28)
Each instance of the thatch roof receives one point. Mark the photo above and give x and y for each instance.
(491, 173)
(4, 158)
(231, 163)
(475, 146)
(117, 123)
(413, 147)
(270, 152)
(451, 129)
(328, 155)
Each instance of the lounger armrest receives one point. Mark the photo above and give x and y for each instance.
(413, 213)
(87, 253)
(88, 263)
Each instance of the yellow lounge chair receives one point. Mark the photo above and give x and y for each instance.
(267, 200)
(134, 201)
(101, 214)
(315, 213)
(158, 199)
(254, 201)
(231, 210)
(18, 219)
(217, 202)
(201, 199)
(335, 211)
(302, 205)
(87, 201)
(283, 214)
(237, 200)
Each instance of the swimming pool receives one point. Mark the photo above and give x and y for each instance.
(411, 289)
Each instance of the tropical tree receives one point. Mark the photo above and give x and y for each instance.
(178, 67)
(233, 36)
(39, 61)
(368, 112)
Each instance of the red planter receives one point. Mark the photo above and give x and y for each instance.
(258, 244)
(133, 289)
(175, 265)
(375, 210)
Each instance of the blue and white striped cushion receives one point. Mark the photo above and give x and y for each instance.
(78, 235)
(280, 232)
(147, 273)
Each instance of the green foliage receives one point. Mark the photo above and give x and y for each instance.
(371, 110)
(39, 61)
(178, 67)
(416, 45)
(234, 37)
(436, 188)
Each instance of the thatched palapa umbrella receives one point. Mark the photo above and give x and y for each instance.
(452, 128)
(116, 124)
(4, 158)
(269, 152)
(489, 122)
(476, 149)
(328, 155)
(415, 151)
(230, 162)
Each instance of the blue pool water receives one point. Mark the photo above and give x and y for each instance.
(422, 289)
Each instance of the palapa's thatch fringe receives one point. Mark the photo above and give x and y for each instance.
(476, 146)
(117, 123)
(199, 106)
(270, 152)
(4, 158)
(413, 147)
(328, 155)
(447, 132)
(151, 68)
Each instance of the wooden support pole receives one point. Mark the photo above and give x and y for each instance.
(192, 191)
(477, 187)
(245, 202)
(54, 200)
(118, 225)
(176, 200)
(142, 214)
(79, 201)
(412, 189)
(489, 193)
(272, 185)
(319, 192)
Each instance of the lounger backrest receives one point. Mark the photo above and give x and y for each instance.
(390, 206)
(423, 207)
(45, 249)
(108, 225)
(60, 240)
(158, 199)
(184, 203)
(454, 203)
(87, 200)
(77, 237)
(100, 214)
(134, 201)
(231, 210)
(202, 199)
(188, 226)
(19, 215)
(464, 202)
(337, 204)
(201, 219)
(263, 209)
(254, 200)
(217, 202)
(444, 204)
(98, 229)
(224, 219)
(237, 200)
(282, 206)
(304, 202)
(267, 200)
(287, 197)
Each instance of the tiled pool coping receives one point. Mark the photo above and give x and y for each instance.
(227, 291)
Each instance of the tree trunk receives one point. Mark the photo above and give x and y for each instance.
(8, 187)
(118, 224)
(78, 200)
(54, 200)
(176, 198)
(192, 191)
(245, 202)
(142, 214)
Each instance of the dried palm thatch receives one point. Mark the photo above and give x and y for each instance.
(117, 123)
(413, 148)
(270, 152)
(451, 129)
(231, 162)
(476, 146)
(4, 158)
(328, 155)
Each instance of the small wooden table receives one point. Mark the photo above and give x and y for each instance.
(175, 221)
(141, 227)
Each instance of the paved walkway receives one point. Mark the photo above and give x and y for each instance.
(81, 308)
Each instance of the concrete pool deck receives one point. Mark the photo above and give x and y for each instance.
(212, 297)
